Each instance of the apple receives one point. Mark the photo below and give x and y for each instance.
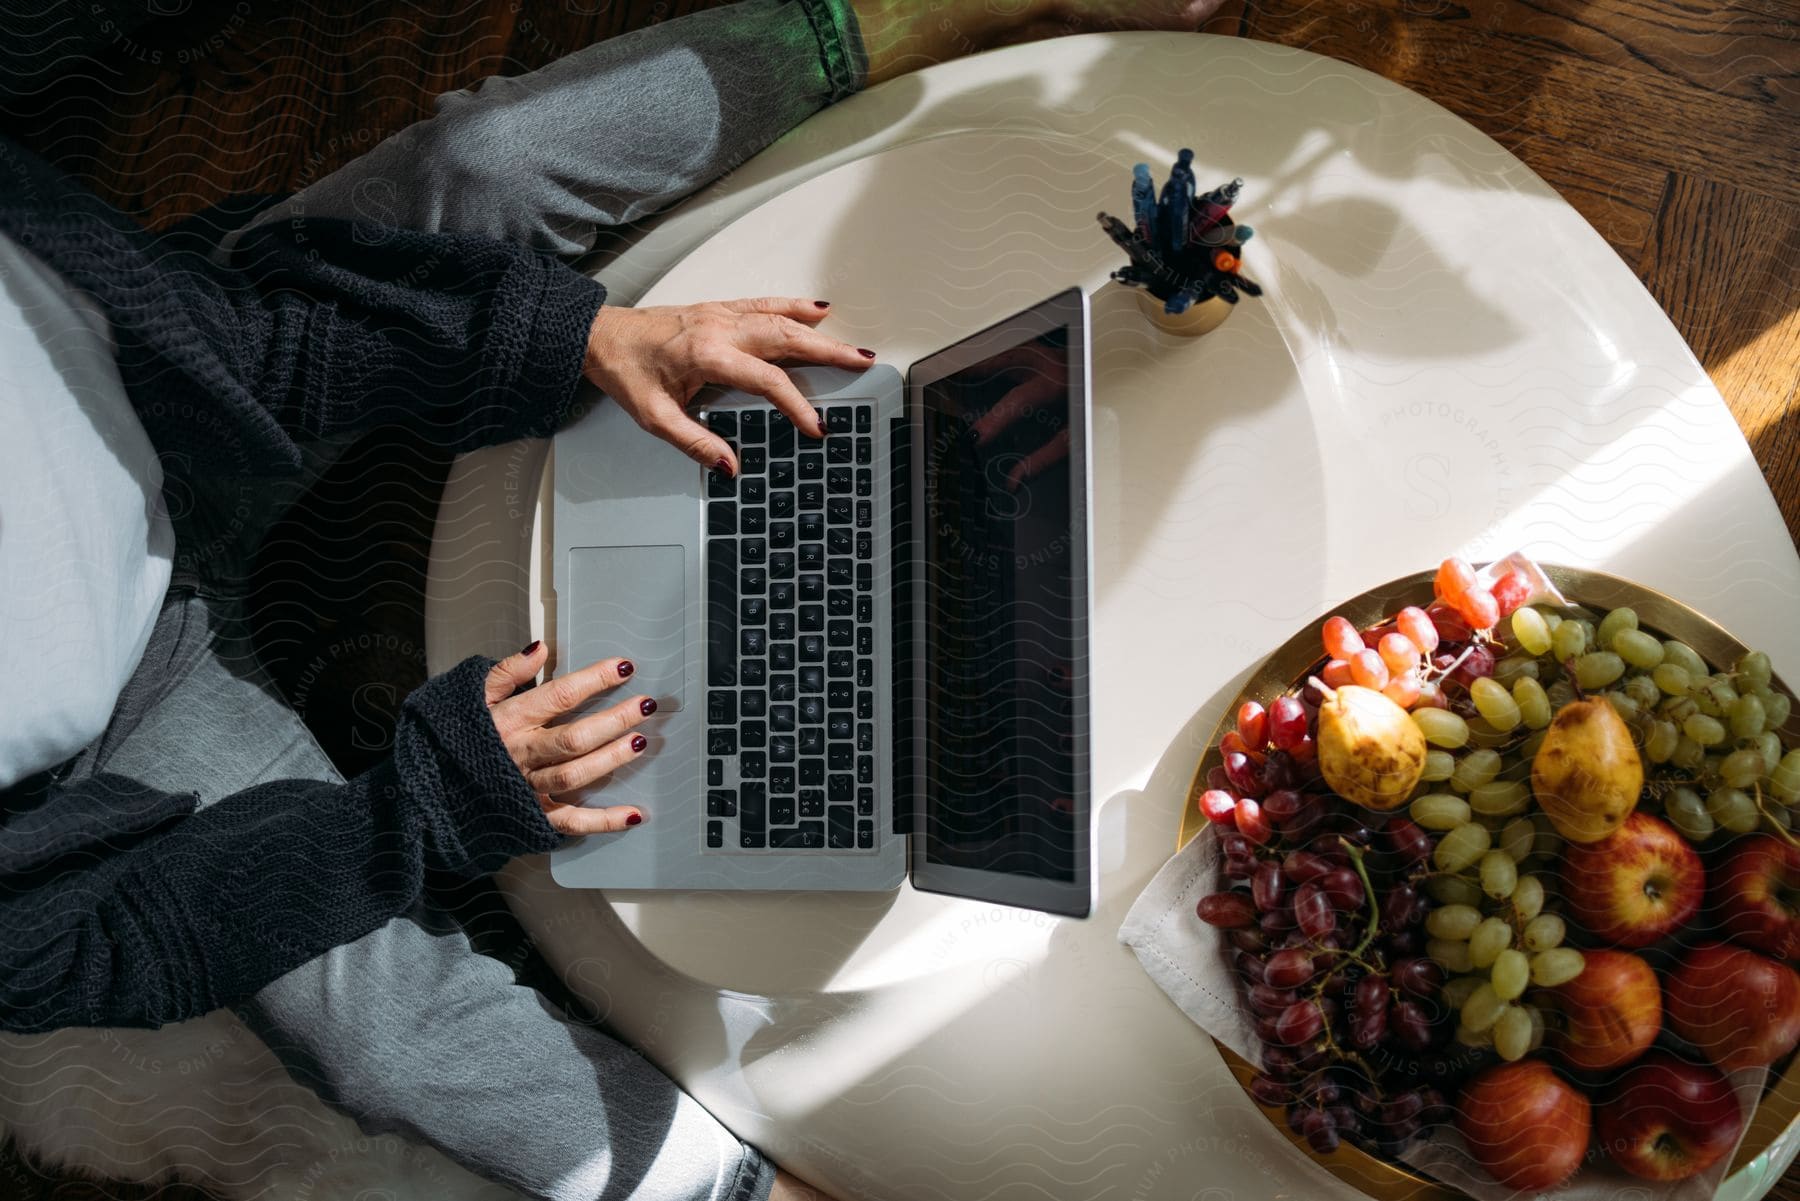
(1667, 1119)
(1740, 1009)
(1611, 1012)
(1756, 895)
(1636, 885)
(1524, 1124)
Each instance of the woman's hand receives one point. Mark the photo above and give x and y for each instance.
(651, 361)
(558, 759)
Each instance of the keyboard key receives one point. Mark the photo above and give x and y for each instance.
(781, 535)
(781, 595)
(841, 758)
(721, 742)
(865, 706)
(721, 708)
(721, 802)
(812, 740)
(812, 496)
(838, 510)
(865, 736)
(781, 464)
(781, 565)
(781, 810)
(781, 505)
(865, 576)
(865, 452)
(865, 802)
(839, 727)
(865, 482)
(781, 436)
(838, 696)
(781, 780)
(755, 460)
(839, 541)
(812, 618)
(838, 419)
(812, 680)
(865, 515)
(840, 788)
(865, 609)
(837, 481)
(865, 674)
(865, 835)
(812, 802)
(781, 688)
(781, 656)
(753, 641)
(753, 580)
(840, 571)
(753, 765)
(804, 836)
(841, 831)
(865, 419)
(781, 626)
(715, 772)
(719, 485)
(753, 800)
(754, 550)
(840, 602)
(839, 665)
(812, 709)
(752, 610)
(721, 518)
(865, 640)
(753, 521)
(753, 733)
(812, 526)
(721, 612)
(812, 465)
(865, 545)
(781, 749)
(839, 450)
(812, 587)
(812, 772)
(865, 769)
(723, 422)
(841, 633)
(752, 672)
(754, 492)
(812, 648)
(812, 556)
(715, 834)
(750, 425)
(781, 718)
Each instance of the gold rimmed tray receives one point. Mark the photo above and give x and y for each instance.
(1287, 668)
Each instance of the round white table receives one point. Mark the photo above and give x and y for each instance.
(1448, 359)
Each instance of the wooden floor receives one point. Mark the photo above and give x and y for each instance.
(1672, 125)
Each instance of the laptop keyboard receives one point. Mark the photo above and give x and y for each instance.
(790, 658)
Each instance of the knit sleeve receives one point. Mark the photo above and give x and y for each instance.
(158, 923)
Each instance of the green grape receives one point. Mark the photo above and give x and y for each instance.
(1777, 705)
(1494, 703)
(1514, 668)
(1512, 972)
(1456, 990)
(1441, 727)
(1568, 640)
(1625, 705)
(1536, 1017)
(1620, 619)
(1755, 669)
(1439, 766)
(1768, 745)
(1455, 922)
(1683, 656)
(1500, 798)
(1777, 817)
(1529, 748)
(1461, 847)
(1439, 811)
(1483, 734)
(1533, 702)
(1474, 769)
(1560, 692)
(1679, 708)
(1748, 717)
(1552, 619)
(1530, 630)
(1516, 839)
(1528, 898)
(1637, 648)
(1597, 669)
(1453, 890)
(1482, 1008)
(1704, 730)
(1544, 931)
(1733, 809)
(1742, 768)
(1499, 875)
(1491, 937)
(1687, 813)
(1672, 680)
(1643, 690)
(1722, 695)
(1784, 781)
(1473, 1038)
(1452, 954)
(1558, 965)
(1512, 1033)
(1660, 740)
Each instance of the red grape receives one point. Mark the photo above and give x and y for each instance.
(1479, 663)
(1342, 888)
(1454, 580)
(1235, 844)
(1368, 1012)
(1253, 969)
(1510, 591)
(1251, 823)
(1268, 1091)
(1253, 725)
(1277, 921)
(1216, 778)
(1219, 806)
(1245, 776)
(1305, 752)
(1287, 722)
(1412, 1028)
(1269, 1001)
(1417, 977)
(1303, 867)
(1266, 884)
(1336, 673)
(1450, 624)
(1410, 842)
(1312, 911)
(1431, 696)
(1289, 968)
(1367, 669)
(1319, 1131)
(1279, 771)
(1299, 1023)
(1227, 910)
(1401, 908)
(1248, 940)
(1481, 609)
(1341, 639)
(1399, 653)
(1402, 1107)
(1403, 689)
(1416, 624)
(1282, 806)
(1238, 867)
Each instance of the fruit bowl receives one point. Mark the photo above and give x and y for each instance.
(1289, 667)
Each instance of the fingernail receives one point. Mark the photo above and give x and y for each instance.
(723, 466)
(865, 352)
(626, 667)
(634, 819)
(639, 742)
(823, 304)
(818, 423)
(647, 706)
(532, 649)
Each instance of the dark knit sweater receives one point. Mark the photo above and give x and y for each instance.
(121, 905)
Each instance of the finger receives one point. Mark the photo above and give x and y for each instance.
(559, 778)
(558, 744)
(675, 425)
(574, 819)
(1042, 458)
(565, 693)
(1018, 401)
(514, 672)
(751, 374)
(809, 311)
(771, 337)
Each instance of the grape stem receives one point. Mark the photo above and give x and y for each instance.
(1458, 661)
(1356, 861)
(1772, 823)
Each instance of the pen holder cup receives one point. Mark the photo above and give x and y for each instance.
(1200, 318)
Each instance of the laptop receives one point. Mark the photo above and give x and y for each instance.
(870, 652)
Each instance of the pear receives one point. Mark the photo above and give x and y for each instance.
(1587, 774)
(1370, 751)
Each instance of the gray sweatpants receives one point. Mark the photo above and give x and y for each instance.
(407, 1029)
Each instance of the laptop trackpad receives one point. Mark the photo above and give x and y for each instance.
(630, 601)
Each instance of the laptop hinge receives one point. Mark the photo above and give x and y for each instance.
(904, 618)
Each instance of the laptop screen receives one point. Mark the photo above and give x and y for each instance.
(1002, 557)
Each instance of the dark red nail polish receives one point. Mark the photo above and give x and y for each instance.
(633, 819)
(532, 649)
(723, 466)
(625, 668)
(824, 304)
(865, 352)
(647, 706)
(639, 742)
